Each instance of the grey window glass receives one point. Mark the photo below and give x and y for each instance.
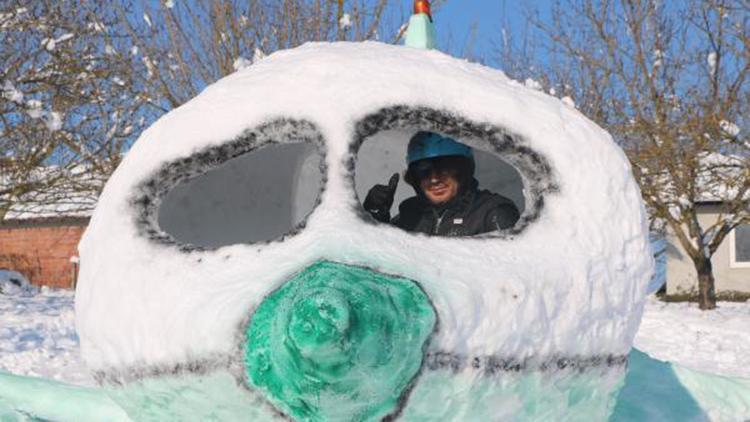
(258, 196)
(742, 243)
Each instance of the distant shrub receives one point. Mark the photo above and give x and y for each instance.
(692, 296)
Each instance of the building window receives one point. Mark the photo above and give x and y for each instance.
(739, 250)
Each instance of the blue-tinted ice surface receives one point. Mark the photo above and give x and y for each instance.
(653, 391)
(33, 399)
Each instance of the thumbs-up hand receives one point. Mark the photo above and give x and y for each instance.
(380, 198)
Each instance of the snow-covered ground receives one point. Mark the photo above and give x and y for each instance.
(716, 341)
(37, 337)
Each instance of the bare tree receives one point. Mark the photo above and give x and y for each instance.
(185, 46)
(669, 80)
(69, 103)
(81, 78)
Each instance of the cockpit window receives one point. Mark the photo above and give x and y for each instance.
(257, 188)
(433, 172)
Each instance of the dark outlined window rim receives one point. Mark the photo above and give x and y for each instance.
(536, 173)
(534, 169)
(150, 193)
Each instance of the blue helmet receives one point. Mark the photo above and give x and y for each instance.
(425, 145)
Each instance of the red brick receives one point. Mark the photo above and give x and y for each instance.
(44, 251)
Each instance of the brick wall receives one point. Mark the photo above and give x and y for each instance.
(41, 250)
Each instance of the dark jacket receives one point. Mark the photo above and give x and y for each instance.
(472, 212)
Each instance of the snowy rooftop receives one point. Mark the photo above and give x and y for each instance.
(75, 199)
(76, 205)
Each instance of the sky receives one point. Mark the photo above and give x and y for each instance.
(454, 21)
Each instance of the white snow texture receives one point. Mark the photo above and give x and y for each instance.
(567, 281)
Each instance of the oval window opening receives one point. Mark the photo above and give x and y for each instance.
(457, 177)
(258, 196)
(385, 153)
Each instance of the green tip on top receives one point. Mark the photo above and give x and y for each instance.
(421, 32)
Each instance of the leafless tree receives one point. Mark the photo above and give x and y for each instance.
(82, 78)
(669, 80)
(186, 46)
(69, 103)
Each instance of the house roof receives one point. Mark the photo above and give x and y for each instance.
(76, 198)
(44, 206)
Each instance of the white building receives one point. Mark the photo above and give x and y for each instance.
(731, 262)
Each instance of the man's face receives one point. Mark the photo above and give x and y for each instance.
(440, 185)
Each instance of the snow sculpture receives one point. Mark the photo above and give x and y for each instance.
(230, 271)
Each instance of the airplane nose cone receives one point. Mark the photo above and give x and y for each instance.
(319, 327)
(338, 342)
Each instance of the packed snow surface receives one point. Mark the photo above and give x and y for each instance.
(715, 342)
(38, 337)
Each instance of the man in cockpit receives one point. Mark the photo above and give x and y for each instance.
(448, 201)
